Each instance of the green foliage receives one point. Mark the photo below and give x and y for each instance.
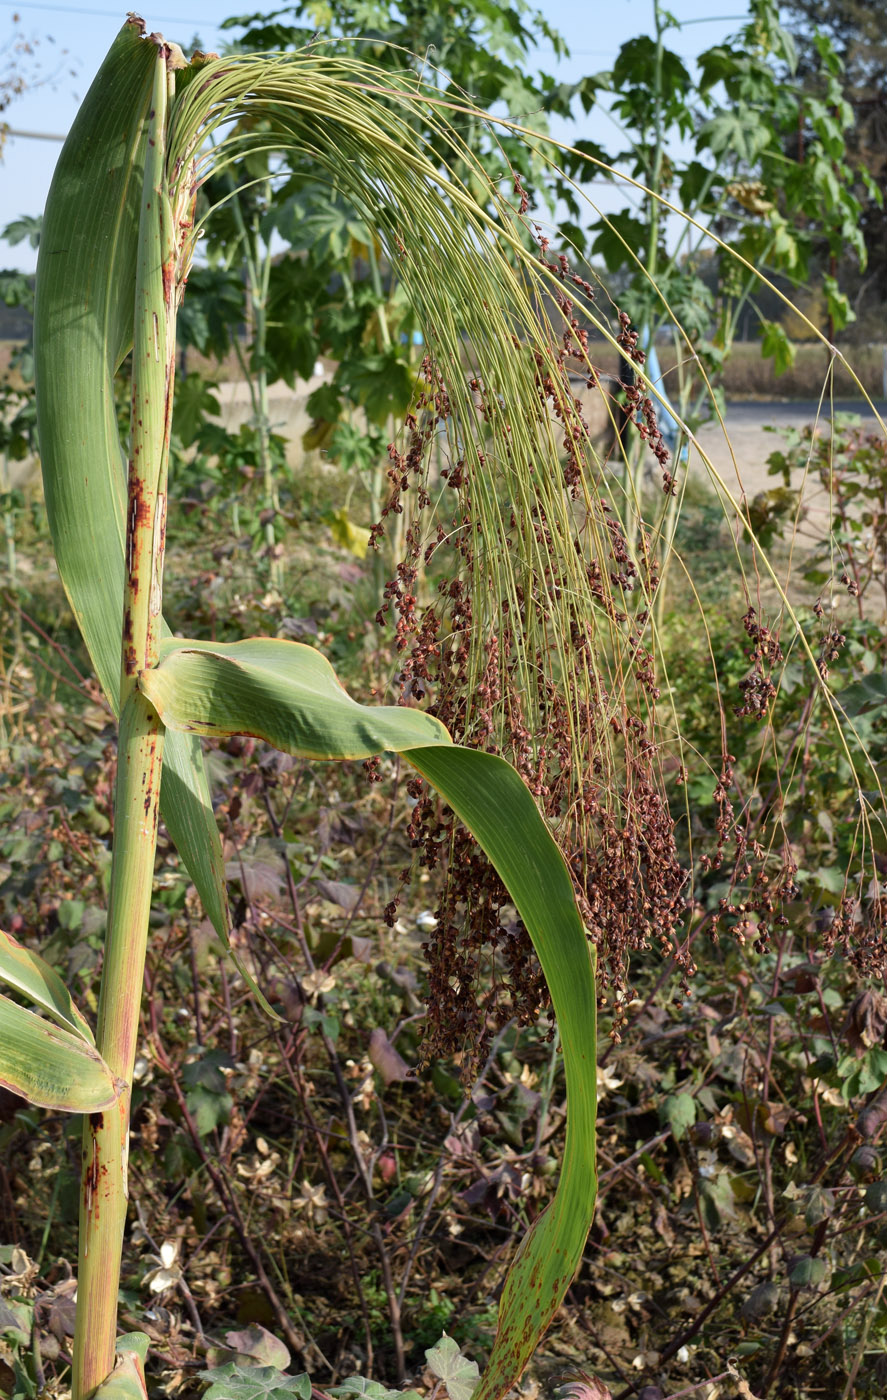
(235, 1382)
(208, 1100)
(777, 347)
(706, 1097)
(679, 1112)
(329, 294)
(778, 200)
(461, 1377)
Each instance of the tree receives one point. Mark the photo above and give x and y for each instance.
(857, 33)
(22, 69)
(775, 205)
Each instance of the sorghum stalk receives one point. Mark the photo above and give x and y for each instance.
(104, 1191)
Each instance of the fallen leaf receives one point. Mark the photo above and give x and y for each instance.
(383, 1057)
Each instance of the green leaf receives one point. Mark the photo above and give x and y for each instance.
(490, 798)
(679, 1112)
(717, 1200)
(809, 1272)
(127, 1380)
(280, 691)
(16, 1321)
(208, 1110)
(741, 131)
(820, 1206)
(288, 694)
(459, 1375)
(372, 1390)
(195, 400)
(49, 1066)
(325, 402)
(618, 237)
(83, 330)
(776, 346)
(212, 310)
(27, 226)
(137, 1342)
(382, 383)
(864, 695)
(28, 973)
(235, 1382)
(876, 1197)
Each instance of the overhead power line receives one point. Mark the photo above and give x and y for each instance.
(183, 19)
(31, 135)
(102, 14)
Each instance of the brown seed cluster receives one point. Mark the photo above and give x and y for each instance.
(857, 933)
(581, 731)
(640, 408)
(549, 662)
(757, 688)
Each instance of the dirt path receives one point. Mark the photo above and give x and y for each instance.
(740, 455)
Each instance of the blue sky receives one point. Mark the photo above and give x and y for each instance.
(72, 41)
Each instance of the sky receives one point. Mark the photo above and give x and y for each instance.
(71, 40)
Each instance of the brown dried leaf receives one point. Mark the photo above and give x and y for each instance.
(383, 1057)
(257, 1343)
(866, 1021)
(337, 892)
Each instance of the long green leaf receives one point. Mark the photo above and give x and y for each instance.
(490, 798)
(280, 691)
(288, 694)
(83, 329)
(29, 973)
(49, 1066)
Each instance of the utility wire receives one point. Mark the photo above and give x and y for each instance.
(183, 19)
(102, 14)
(31, 135)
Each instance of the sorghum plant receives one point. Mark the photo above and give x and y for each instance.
(120, 220)
(540, 647)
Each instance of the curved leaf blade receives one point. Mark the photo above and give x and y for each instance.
(83, 329)
(489, 796)
(280, 691)
(51, 1067)
(289, 695)
(30, 974)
